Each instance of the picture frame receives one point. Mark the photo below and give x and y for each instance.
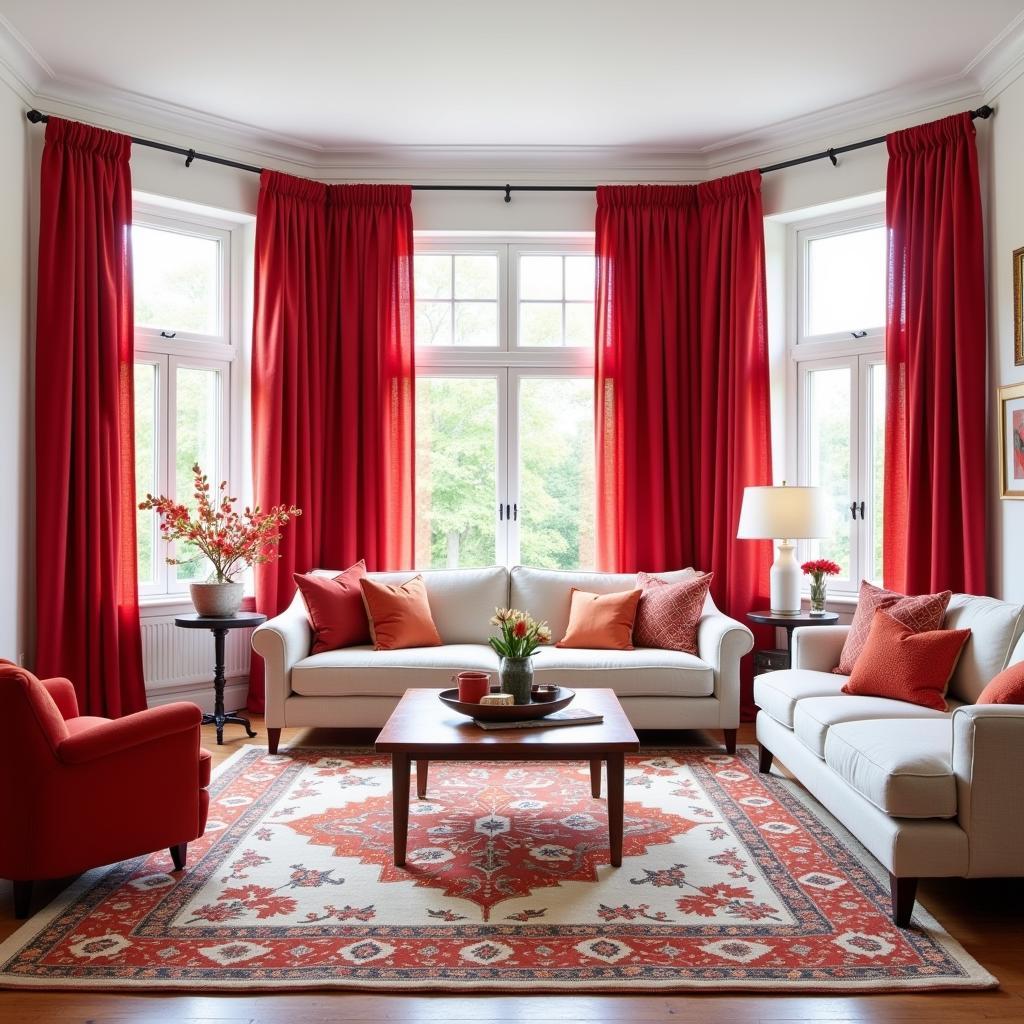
(1011, 441)
(1018, 306)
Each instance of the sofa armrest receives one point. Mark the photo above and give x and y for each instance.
(282, 642)
(140, 729)
(63, 694)
(818, 647)
(721, 643)
(988, 762)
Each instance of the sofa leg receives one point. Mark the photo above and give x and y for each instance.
(764, 759)
(904, 892)
(273, 738)
(730, 740)
(179, 854)
(22, 899)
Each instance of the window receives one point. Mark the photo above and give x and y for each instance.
(504, 403)
(183, 356)
(838, 351)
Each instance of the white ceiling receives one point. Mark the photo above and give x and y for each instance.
(675, 74)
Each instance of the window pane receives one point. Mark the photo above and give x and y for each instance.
(540, 323)
(432, 275)
(196, 422)
(828, 426)
(476, 277)
(877, 468)
(476, 323)
(433, 323)
(146, 528)
(846, 281)
(540, 277)
(579, 323)
(579, 278)
(556, 472)
(176, 280)
(456, 471)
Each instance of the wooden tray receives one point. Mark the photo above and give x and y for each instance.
(507, 712)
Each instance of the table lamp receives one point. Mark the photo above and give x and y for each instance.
(784, 514)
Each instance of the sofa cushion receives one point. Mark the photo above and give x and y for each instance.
(777, 693)
(601, 622)
(644, 672)
(1006, 688)
(364, 672)
(334, 606)
(669, 613)
(399, 614)
(904, 768)
(816, 715)
(546, 593)
(995, 627)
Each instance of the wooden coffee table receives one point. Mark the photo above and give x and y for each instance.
(422, 729)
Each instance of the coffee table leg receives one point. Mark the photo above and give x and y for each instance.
(400, 805)
(595, 777)
(616, 801)
(422, 766)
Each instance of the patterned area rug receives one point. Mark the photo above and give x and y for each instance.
(729, 880)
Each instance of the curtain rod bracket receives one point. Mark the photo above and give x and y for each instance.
(832, 156)
(508, 193)
(190, 157)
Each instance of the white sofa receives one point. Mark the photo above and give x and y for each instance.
(358, 687)
(929, 793)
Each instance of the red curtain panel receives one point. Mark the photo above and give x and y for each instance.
(87, 615)
(935, 345)
(682, 393)
(332, 379)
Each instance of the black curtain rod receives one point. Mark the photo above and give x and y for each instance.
(36, 117)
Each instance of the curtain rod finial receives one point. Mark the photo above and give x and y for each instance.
(35, 116)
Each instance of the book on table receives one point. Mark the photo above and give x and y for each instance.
(567, 716)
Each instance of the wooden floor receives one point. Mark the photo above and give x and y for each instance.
(985, 916)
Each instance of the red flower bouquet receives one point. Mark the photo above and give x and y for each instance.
(818, 570)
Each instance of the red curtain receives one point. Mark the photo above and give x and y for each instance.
(332, 379)
(682, 394)
(934, 534)
(87, 615)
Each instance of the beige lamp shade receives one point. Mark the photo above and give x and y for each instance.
(783, 513)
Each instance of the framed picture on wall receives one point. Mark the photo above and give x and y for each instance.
(1011, 440)
(1018, 306)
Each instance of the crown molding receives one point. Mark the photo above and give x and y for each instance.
(1001, 61)
(20, 66)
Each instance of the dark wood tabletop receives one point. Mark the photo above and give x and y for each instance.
(240, 620)
(768, 618)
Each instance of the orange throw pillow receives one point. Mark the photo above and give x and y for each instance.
(399, 616)
(903, 665)
(1005, 688)
(921, 613)
(669, 613)
(602, 622)
(335, 609)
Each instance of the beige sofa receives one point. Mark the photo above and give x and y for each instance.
(930, 794)
(358, 686)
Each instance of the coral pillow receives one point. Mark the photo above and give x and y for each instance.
(668, 613)
(602, 622)
(335, 609)
(899, 663)
(1005, 688)
(919, 614)
(399, 616)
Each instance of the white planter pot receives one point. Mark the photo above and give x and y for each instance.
(216, 600)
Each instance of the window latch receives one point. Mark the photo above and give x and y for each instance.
(168, 334)
(853, 510)
(515, 513)
(501, 511)
(861, 509)
(858, 334)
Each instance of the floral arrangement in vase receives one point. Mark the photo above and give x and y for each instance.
(520, 637)
(818, 570)
(229, 539)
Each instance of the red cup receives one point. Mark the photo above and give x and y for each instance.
(472, 686)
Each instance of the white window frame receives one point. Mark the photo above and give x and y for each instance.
(170, 349)
(508, 361)
(838, 349)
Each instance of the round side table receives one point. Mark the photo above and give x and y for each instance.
(791, 622)
(219, 627)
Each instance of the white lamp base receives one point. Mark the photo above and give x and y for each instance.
(785, 580)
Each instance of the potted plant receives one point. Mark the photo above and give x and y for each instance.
(818, 570)
(520, 637)
(229, 539)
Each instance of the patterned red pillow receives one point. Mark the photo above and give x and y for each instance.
(920, 614)
(669, 613)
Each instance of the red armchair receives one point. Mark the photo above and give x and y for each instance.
(77, 792)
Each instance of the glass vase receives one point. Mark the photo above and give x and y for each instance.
(817, 597)
(516, 677)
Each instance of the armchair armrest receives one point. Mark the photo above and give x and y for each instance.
(136, 730)
(282, 642)
(721, 643)
(988, 762)
(63, 693)
(818, 647)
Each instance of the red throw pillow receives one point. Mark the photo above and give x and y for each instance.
(920, 614)
(601, 622)
(668, 613)
(904, 665)
(1005, 688)
(335, 609)
(399, 616)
